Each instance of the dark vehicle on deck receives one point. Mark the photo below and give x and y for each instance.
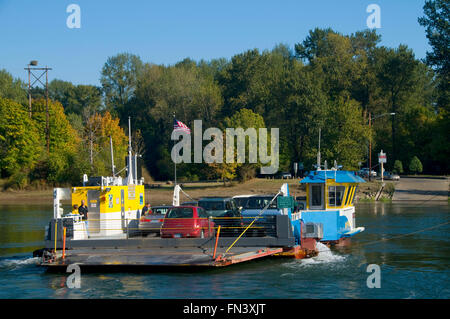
(151, 223)
(225, 213)
(187, 221)
(189, 204)
(265, 223)
(241, 200)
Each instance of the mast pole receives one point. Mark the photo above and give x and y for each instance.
(112, 156)
(130, 166)
(318, 153)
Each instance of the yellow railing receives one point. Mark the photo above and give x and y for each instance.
(251, 226)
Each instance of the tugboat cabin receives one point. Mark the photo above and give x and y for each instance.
(329, 200)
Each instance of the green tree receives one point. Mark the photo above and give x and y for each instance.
(314, 45)
(415, 166)
(235, 80)
(344, 138)
(185, 90)
(119, 79)
(366, 89)
(61, 91)
(437, 26)
(20, 146)
(397, 80)
(303, 113)
(245, 119)
(76, 98)
(13, 89)
(341, 76)
(398, 167)
(64, 141)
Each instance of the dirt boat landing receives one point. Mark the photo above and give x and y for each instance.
(421, 189)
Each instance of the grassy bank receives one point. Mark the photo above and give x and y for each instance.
(162, 192)
(368, 191)
(164, 195)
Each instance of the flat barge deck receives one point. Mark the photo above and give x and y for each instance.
(149, 252)
(157, 257)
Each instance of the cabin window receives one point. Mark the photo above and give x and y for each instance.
(335, 195)
(316, 196)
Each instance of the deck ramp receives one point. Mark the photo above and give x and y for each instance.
(160, 257)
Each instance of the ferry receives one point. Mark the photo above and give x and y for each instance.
(110, 236)
(110, 239)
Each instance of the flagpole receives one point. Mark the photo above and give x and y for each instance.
(175, 163)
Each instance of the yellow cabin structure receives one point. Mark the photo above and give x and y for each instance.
(112, 208)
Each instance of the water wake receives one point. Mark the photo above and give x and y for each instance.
(325, 257)
(8, 264)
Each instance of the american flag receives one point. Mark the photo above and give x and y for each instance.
(180, 126)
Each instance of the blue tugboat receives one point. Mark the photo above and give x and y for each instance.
(329, 200)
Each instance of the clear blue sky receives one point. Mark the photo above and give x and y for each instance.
(165, 32)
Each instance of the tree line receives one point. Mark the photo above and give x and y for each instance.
(329, 81)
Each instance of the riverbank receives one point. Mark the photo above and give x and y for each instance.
(162, 193)
(38, 197)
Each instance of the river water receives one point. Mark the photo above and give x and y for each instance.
(409, 242)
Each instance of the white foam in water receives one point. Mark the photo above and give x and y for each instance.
(13, 263)
(325, 256)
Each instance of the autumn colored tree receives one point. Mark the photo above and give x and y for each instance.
(98, 131)
(246, 120)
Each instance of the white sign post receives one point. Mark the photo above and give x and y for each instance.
(382, 159)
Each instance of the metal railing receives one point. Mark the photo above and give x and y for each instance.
(230, 226)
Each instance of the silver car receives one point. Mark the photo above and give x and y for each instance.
(151, 223)
(365, 173)
(391, 176)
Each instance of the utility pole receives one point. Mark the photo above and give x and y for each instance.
(47, 126)
(370, 146)
(370, 139)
